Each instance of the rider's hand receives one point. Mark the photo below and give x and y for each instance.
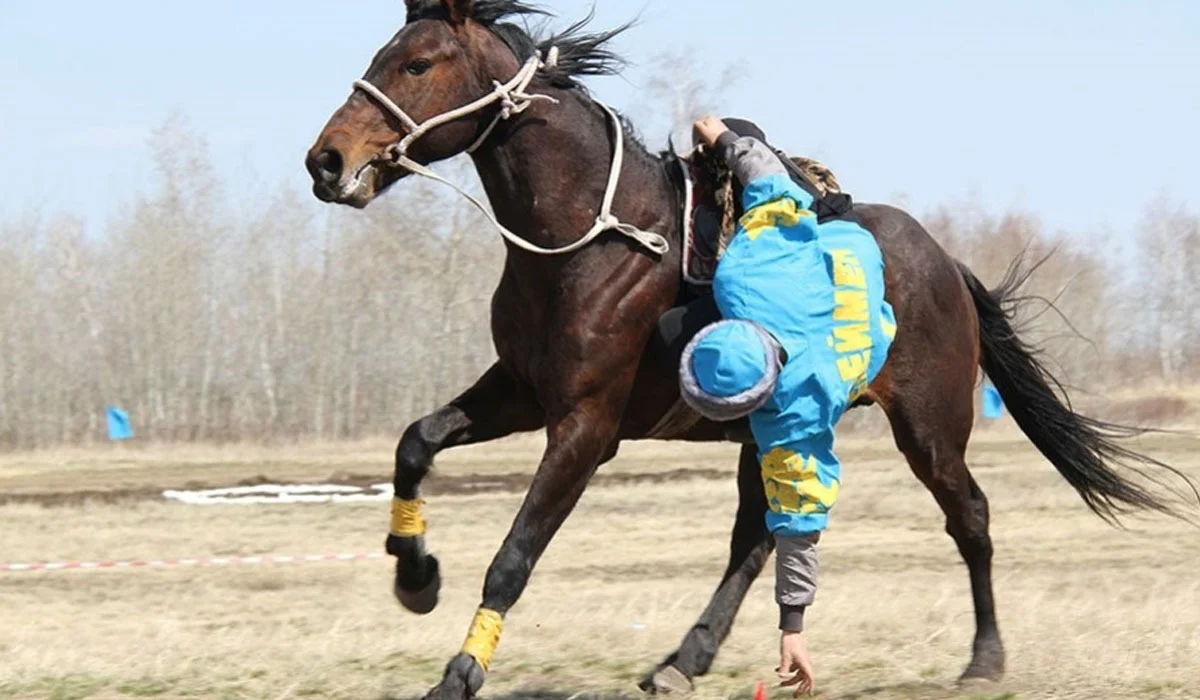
(709, 129)
(795, 664)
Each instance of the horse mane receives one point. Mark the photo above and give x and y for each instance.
(580, 53)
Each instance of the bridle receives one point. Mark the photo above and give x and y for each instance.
(511, 95)
(514, 100)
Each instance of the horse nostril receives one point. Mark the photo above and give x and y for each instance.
(329, 165)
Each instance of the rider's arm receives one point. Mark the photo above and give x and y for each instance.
(765, 182)
(795, 578)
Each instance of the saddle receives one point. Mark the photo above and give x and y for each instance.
(705, 236)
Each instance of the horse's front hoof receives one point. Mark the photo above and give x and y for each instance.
(977, 673)
(418, 590)
(462, 680)
(666, 680)
(987, 664)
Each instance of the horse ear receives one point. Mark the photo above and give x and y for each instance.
(459, 10)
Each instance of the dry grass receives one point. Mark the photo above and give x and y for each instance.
(1086, 611)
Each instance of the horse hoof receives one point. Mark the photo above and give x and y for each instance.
(979, 674)
(420, 596)
(987, 664)
(462, 681)
(665, 681)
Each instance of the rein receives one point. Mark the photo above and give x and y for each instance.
(689, 201)
(513, 100)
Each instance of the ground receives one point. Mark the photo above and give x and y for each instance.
(1087, 611)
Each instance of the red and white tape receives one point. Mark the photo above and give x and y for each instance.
(21, 567)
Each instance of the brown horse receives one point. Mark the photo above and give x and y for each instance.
(572, 331)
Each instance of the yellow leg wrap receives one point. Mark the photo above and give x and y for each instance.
(406, 518)
(484, 636)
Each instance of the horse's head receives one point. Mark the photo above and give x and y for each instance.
(441, 60)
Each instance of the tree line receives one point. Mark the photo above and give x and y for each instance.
(284, 319)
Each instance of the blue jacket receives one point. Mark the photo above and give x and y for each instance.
(817, 288)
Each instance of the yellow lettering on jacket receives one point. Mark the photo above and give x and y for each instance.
(847, 270)
(853, 368)
(851, 319)
(851, 305)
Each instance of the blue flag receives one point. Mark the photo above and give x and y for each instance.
(993, 405)
(118, 424)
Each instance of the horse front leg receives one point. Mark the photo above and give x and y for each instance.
(496, 406)
(578, 443)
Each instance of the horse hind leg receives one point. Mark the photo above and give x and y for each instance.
(934, 443)
(750, 547)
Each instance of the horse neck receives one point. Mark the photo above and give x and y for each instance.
(546, 172)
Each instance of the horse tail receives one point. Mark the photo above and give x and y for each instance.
(1087, 452)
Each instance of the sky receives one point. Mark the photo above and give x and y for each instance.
(1080, 112)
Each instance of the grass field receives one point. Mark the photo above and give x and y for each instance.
(1086, 611)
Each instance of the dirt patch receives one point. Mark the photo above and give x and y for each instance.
(435, 485)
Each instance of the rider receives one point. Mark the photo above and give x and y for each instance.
(804, 330)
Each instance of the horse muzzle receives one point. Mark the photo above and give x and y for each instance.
(355, 188)
(334, 182)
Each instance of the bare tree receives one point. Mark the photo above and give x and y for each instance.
(282, 318)
(680, 91)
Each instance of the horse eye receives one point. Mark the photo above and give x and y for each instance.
(420, 66)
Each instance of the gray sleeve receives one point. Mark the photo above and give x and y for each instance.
(795, 578)
(749, 158)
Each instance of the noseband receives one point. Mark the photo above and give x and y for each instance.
(513, 100)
